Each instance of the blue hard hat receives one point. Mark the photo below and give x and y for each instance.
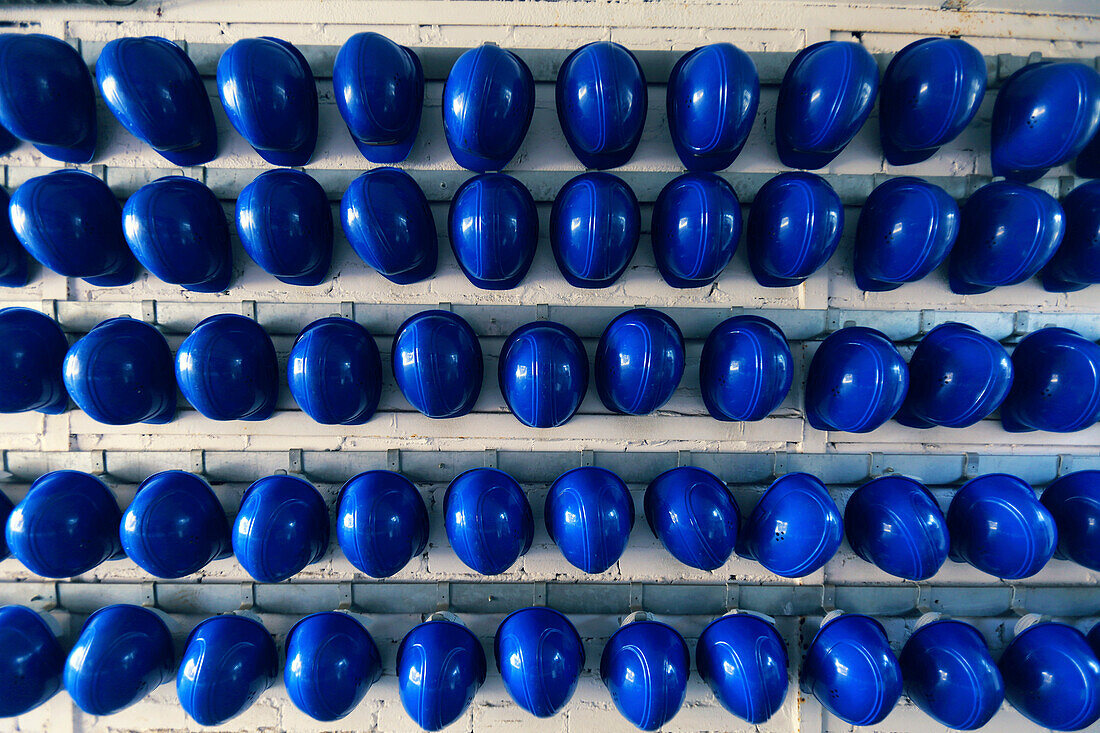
(488, 101)
(713, 94)
(1052, 677)
(827, 94)
(930, 92)
(437, 363)
(543, 374)
(746, 369)
(31, 661)
(123, 653)
(227, 369)
(381, 522)
(957, 377)
(856, 382)
(47, 97)
(440, 667)
(691, 512)
(645, 666)
(851, 669)
(31, 362)
(494, 229)
(488, 520)
(639, 361)
(14, 272)
(744, 661)
(999, 526)
(1074, 265)
(1056, 383)
(285, 226)
(379, 89)
(589, 513)
(795, 527)
(174, 526)
(1008, 233)
(387, 221)
(66, 525)
(906, 229)
(1044, 115)
(794, 228)
(229, 661)
(335, 372)
(5, 511)
(602, 100)
(595, 224)
(71, 222)
(155, 91)
(540, 658)
(950, 675)
(696, 227)
(331, 662)
(176, 228)
(894, 523)
(8, 142)
(122, 373)
(281, 527)
(267, 89)
(1074, 502)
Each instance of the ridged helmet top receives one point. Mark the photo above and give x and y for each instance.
(488, 520)
(387, 221)
(335, 372)
(281, 527)
(1076, 263)
(645, 666)
(31, 659)
(440, 668)
(589, 513)
(437, 363)
(31, 362)
(1052, 677)
(331, 662)
(543, 374)
(1056, 383)
(691, 512)
(696, 228)
(595, 224)
(639, 361)
(743, 660)
(382, 522)
(794, 228)
(494, 230)
(540, 657)
(746, 369)
(1074, 502)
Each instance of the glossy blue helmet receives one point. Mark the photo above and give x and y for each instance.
(957, 377)
(267, 89)
(31, 661)
(47, 97)
(999, 526)
(1056, 383)
(543, 374)
(14, 272)
(696, 227)
(387, 221)
(743, 660)
(174, 526)
(488, 101)
(950, 675)
(691, 512)
(155, 91)
(227, 369)
(488, 520)
(827, 94)
(437, 363)
(123, 653)
(1074, 502)
(229, 661)
(440, 667)
(930, 92)
(335, 372)
(602, 102)
(1076, 263)
(589, 513)
(1052, 677)
(594, 229)
(1044, 115)
(639, 361)
(121, 373)
(794, 228)
(8, 142)
(645, 665)
(494, 229)
(281, 527)
(379, 89)
(851, 669)
(795, 527)
(856, 382)
(381, 522)
(894, 523)
(331, 662)
(746, 369)
(31, 362)
(285, 225)
(71, 222)
(5, 511)
(713, 93)
(540, 658)
(906, 229)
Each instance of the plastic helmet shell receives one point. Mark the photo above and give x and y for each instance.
(696, 227)
(5, 511)
(595, 224)
(746, 369)
(1074, 264)
(31, 362)
(488, 520)
(281, 527)
(543, 374)
(331, 662)
(795, 527)
(743, 660)
(229, 661)
(856, 382)
(335, 372)
(645, 665)
(540, 658)
(1056, 383)
(639, 361)
(437, 363)
(440, 667)
(494, 229)
(691, 512)
(31, 659)
(794, 228)
(1088, 161)
(14, 272)
(381, 522)
(386, 219)
(1052, 677)
(1074, 502)
(589, 513)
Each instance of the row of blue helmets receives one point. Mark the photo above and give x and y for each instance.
(1045, 114)
(1049, 671)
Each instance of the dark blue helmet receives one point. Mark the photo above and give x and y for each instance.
(894, 523)
(594, 229)
(437, 363)
(543, 374)
(488, 520)
(440, 667)
(335, 372)
(31, 661)
(31, 362)
(1076, 263)
(795, 527)
(381, 522)
(696, 227)
(691, 512)
(540, 657)
(494, 230)
(589, 513)
(14, 272)
(746, 369)
(743, 660)
(281, 527)
(794, 228)
(856, 382)
(229, 661)
(645, 665)
(1055, 384)
(1052, 677)
(331, 662)
(1074, 502)
(227, 369)
(639, 361)
(1088, 161)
